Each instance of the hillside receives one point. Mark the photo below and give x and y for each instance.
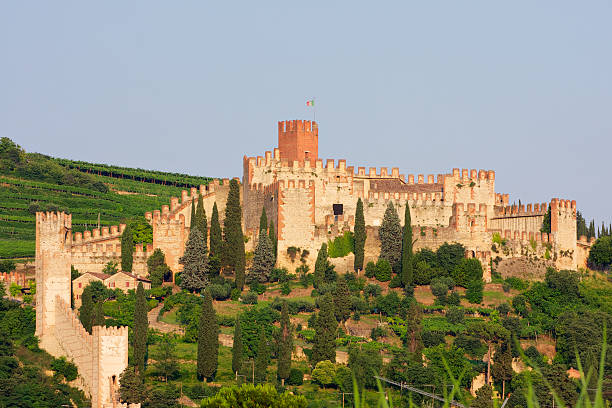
(34, 182)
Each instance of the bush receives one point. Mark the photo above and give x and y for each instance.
(279, 275)
(285, 289)
(324, 373)
(64, 368)
(377, 332)
(296, 377)
(219, 292)
(453, 299)
(257, 287)
(235, 294)
(438, 288)
(370, 269)
(433, 338)
(249, 298)
(152, 303)
(396, 282)
(383, 270)
(388, 305)
(474, 291)
(455, 315)
(341, 246)
(372, 290)
(466, 271)
(517, 283)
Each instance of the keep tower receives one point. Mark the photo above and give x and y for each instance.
(298, 140)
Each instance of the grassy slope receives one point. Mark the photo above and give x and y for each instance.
(127, 198)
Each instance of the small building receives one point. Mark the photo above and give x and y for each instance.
(79, 284)
(120, 280)
(126, 281)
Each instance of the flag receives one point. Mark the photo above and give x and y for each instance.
(310, 102)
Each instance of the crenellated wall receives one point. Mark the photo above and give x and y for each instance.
(101, 356)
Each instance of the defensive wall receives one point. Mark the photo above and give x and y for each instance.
(101, 356)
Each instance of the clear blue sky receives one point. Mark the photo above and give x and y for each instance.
(521, 87)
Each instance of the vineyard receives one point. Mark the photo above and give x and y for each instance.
(114, 194)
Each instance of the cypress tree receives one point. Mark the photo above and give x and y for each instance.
(285, 347)
(320, 266)
(263, 259)
(407, 272)
(234, 239)
(325, 332)
(390, 233)
(414, 328)
(216, 236)
(263, 221)
(208, 340)
(360, 235)
(192, 219)
(131, 388)
(484, 397)
(237, 348)
(273, 239)
(200, 216)
(127, 249)
(86, 310)
(546, 222)
(262, 359)
(195, 262)
(342, 300)
(141, 328)
(98, 315)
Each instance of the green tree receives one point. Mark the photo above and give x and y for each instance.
(474, 292)
(324, 373)
(254, 396)
(414, 328)
(390, 233)
(98, 315)
(195, 263)
(321, 266)
(234, 239)
(74, 273)
(163, 397)
(484, 397)
(273, 239)
(127, 249)
(285, 346)
(86, 311)
(600, 256)
(407, 267)
(200, 218)
(166, 360)
(237, 348)
(325, 332)
(110, 268)
(263, 259)
(262, 359)
(490, 333)
(448, 256)
(445, 361)
(468, 270)
(359, 236)
(141, 330)
(216, 235)
(192, 222)
(342, 300)
(364, 363)
(157, 268)
(263, 221)
(208, 340)
(131, 388)
(546, 222)
(502, 366)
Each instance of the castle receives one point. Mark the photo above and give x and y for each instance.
(310, 203)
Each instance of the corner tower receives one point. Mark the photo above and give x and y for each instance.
(298, 140)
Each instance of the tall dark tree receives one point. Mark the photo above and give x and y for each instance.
(581, 227)
(407, 272)
(192, 219)
(325, 332)
(502, 366)
(74, 273)
(591, 231)
(321, 265)
(390, 233)
(201, 221)
(98, 315)
(208, 340)
(342, 300)
(263, 259)
(131, 388)
(273, 239)
(234, 239)
(216, 235)
(262, 359)
(86, 310)
(285, 346)
(141, 329)
(166, 359)
(359, 235)
(414, 328)
(546, 222)
(237, 348)
(484, 397)
(195, 263)
(263, 221)
(127, 249)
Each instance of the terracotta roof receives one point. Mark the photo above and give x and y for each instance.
(98, 275)
(397, 186)
(131, 275)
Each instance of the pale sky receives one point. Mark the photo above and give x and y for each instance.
(520, 87)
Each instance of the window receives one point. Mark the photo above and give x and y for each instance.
(80, 284)
(127, 284)
(338, 209)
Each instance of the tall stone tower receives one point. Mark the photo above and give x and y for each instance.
(298, 140)
(53, 234)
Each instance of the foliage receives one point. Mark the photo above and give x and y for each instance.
(449, 361)
(600, 256)
(448, 256)
(484, 397)
(254, 396)
(359, 235)
(407, 273)
(166, 361)
(87, 309)
(157, 268)
(325, 332)
(141, 328)
(127, 249)
(64, 368)
(390, 234)
(262, 358)
(471, 344)
(546, 222)
(249, 298)
(216, 235)
(296, 377)
(7, 266)
(341, 245)
(252, 322)
(342, 300)
(233, 239)
(201, 222)
(324, 270)
(474, 292)
(364, 363)
(383, 270)
(131, 388)
(208, 340)
(467, 271)
(237, 348)
(195, 263)
(324, 373)
(285, 344)
(263, 260)
(370, 270)
(110, 268)
(455, 315)
(389, 304)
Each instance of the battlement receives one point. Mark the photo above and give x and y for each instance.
(298, 140)
(527, 236)
(54, 221)
(522, 211)
(13, 277)
(563, 205)
(168, 226)
(502, 199)
(470, 209)
(295, 184)
(463, 175)
(98, 235)
(406, 196)
(68, 315)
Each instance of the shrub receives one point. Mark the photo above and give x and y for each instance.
(152, 303)
(249, 298)
(474, 291)
(396, 282)
(219, 292)
(296, 377)
(453, 299)
(377, 332)
(455, 315)
(372, 290)
(466, 271)
(438, 288)
(235, 294)
(370, 269)
(517, 283)
(279, 275)
(64, 368)
(324, 373)
(388, 305)
(285, 289)
(383, 270)
(433, 338)
(341, 246)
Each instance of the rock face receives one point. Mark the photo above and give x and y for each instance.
(101, 356)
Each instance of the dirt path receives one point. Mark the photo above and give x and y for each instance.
(162, 326)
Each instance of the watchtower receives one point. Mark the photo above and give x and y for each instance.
(298, 140)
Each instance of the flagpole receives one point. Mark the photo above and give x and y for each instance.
(314, 110)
